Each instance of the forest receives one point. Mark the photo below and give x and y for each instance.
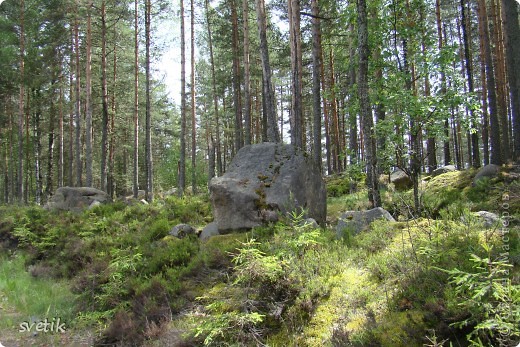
(81, 106)
(364, 88)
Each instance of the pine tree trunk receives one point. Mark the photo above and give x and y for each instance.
(21, 109)
(70, 164)
(475, 155)
(50, 149)
(111, 147)
(496, 152)
(316, 91)
(215, 95)
(182, 157)
(104, 95)
(38, 151)
(135, 178)
(61, 134)
(272, 126)
(148, 131)
(88, 99)
(512, 34)
(500, 78)
(296, 73)
(236, 78)
(365, 109)
(247, 75)
(193, 120)
(336, 144)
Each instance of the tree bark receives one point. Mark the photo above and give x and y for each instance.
(316, 91)
(296, 73)
(182, 157)
(148, 131)
(475, 155)
(247, 75)
(21, 109)
(496, 152)
(88, 99)
(215, 95)
(365, 109)
(512, 34)
(135, 178)
(193, 114)
(272, 126)
(104, 92)
(500, 78)
(236, 78)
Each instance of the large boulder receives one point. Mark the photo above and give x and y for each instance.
(76, 199)
(489, 171)
(357, 221)
(401, 180)
(444, 169)
(264, 180)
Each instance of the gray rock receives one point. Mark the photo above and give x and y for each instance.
(357, 221)
(76, 199)
(490, 219)
(441, 170)
(182, 230)
(209, 230)
(490, 171)
(401, 180)
(94, 203)
(264, 180)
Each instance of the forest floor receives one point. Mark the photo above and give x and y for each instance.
(114, 276)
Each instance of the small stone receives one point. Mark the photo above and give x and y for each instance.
(182, 230)
(357, 221)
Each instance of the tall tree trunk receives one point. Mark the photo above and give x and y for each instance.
(215, 95)
(496, 152)
(88, 99)
(335, 118)
(182, 157)
(326, 118)
(500, 78)
(104, 92)
(135, 178)
(297, 132)
(247, 75)
(236, 78)
(38, 151)
(446, 146)
(272, 126)
(475, 155)
(50, 149)
(485, 115)
(193, 120)
(365, 109)
(61, 134)
(111, 147)
(512, 34)
(148, 140)
(316, 91)
(70, 164)
(21, 109)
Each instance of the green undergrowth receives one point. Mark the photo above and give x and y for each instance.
(437, 280)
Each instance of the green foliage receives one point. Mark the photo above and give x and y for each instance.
(253, 265)
(234, 326)
(490, 297)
